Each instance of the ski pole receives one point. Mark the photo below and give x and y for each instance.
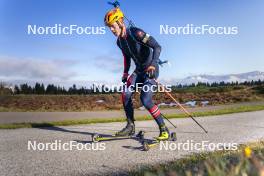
(165, 117)
(168, 120)
(184, 110)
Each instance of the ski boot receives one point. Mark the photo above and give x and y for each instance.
(164, 133)
(129, 130)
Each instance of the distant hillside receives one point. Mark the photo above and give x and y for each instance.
(242, 77)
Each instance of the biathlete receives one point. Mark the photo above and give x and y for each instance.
(144, 50)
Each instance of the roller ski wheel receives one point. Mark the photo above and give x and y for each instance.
(140, 135)
(173, 136)
(95, 137)
(148, 145)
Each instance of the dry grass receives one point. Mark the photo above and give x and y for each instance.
(247, 160)
(113, 101)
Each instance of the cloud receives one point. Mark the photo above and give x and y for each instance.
(13, 68)
(109, 63)
(66, 72)
(114, 64)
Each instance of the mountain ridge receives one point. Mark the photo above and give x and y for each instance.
(207, 78)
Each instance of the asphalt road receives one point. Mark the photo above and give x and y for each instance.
(20, 117)
(118, 156)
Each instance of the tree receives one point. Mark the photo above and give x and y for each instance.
(26, 89)
(17, 90)
(39, 88)
(51, 89)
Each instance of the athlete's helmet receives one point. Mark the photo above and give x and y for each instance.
(113, 16)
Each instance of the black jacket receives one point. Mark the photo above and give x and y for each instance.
(141, 47)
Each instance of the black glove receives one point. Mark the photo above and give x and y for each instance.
(124, 77)
(151, 72)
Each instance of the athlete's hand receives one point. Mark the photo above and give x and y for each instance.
(124, 77)
(151, 72)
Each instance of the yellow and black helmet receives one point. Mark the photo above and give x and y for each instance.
(113, 16)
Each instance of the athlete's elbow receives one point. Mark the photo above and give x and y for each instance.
(158, 48)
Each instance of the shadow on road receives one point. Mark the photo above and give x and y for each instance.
(191, 132)
(134, 148)
(54, 128)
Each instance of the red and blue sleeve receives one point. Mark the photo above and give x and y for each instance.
(127, 62)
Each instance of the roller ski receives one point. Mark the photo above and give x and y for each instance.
(125, 133)
(165, 135)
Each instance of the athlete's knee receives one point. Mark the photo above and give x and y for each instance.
(126, 98)
(146, 101)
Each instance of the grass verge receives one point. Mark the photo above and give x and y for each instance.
(247, 160)
(107, 120)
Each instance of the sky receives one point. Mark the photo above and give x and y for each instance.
(87, 58)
